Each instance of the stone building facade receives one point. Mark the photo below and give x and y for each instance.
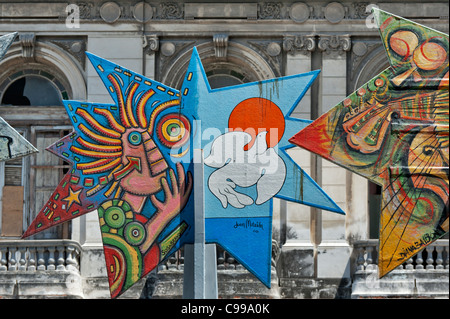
(316, 254)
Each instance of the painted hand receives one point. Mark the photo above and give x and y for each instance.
(175, 198)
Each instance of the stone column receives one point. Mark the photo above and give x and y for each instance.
(296, 260)
(349, 190)
(299, 49)
(333, 250)
(151, 46)
(295, 218)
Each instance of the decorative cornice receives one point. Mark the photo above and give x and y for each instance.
(296, 11)
(334, 45)
(304, 44)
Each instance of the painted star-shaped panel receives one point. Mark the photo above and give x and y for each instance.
(5, 42)
(243, 131)
(130, 163)
(394, 131)
(12, 143)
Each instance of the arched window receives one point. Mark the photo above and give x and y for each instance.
(25, 182)
(242, 65)
(225, 75)
(32, 90)
(31, 100)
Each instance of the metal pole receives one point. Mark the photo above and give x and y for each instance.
(200, 264)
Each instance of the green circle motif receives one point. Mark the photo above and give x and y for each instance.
(173, 129)
(114, 217)
(134, 233)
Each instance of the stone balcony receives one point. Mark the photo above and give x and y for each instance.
(38, 269)
(426, 275)
(63, 269)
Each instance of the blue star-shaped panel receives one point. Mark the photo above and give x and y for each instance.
(243, 131)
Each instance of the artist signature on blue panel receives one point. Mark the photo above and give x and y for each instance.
(249, 224)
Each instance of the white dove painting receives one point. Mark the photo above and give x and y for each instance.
(243, 131)
(259, 166)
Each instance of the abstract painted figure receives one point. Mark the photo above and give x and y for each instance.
(122, 166)
(394, 131)
(132, 162)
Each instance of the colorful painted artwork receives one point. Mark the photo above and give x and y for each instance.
(394, 130)
(129, 164)
(243, 131)
(132, 162)
(12, 143)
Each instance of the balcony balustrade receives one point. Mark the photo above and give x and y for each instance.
(434, 256)
(31, 268)
(40, 269)
(39, 255)
(425, 275)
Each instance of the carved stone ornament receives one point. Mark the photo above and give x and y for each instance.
(359, 54)
(171, 10)
(168, 49)
(271, 53)
(27, 41)
(300, 12)
(85, 10)
(304, 44)
(334, 12)
(273, 49)
(334, 45)
(151, 44)
(361, 10)
(220, 45)
(270, 10)
(76, 47)
(110, 12)
(143, 12)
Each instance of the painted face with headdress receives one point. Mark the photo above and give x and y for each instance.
(131, 163)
